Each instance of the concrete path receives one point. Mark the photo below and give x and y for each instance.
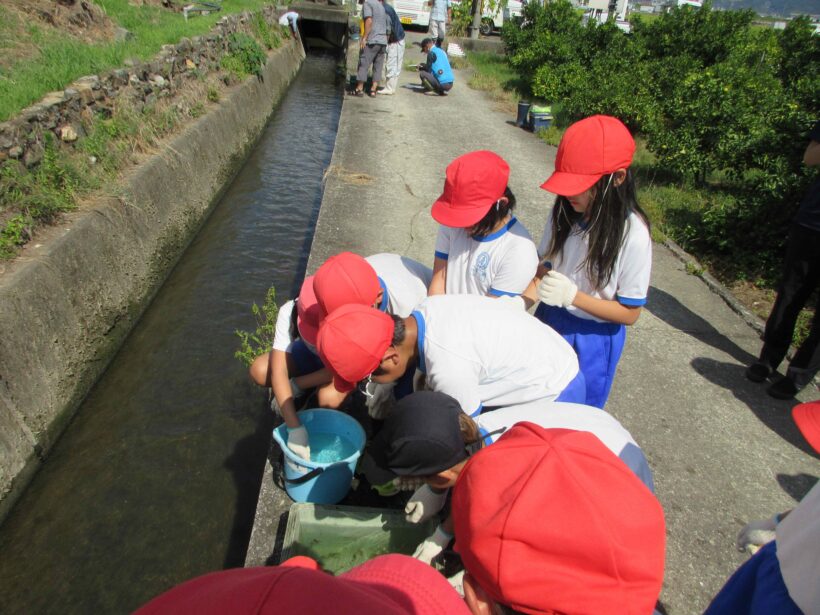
(723, 452)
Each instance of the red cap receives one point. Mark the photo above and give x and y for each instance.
(352, 342)
(590, 149)
(549, 520)
(389, 585)
(345, 278)
(807, 417)
(474, 183)
(309, 314)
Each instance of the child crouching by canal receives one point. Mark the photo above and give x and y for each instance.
(293, 364)
(427, 436)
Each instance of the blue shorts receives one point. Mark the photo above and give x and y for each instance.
(304, 360)
(576, 391)
(598, 345)
(756, 588)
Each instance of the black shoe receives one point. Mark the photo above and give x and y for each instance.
(783, 388)
(758, 372)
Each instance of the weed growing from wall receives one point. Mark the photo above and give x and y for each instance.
(254, 343)
(245, 56)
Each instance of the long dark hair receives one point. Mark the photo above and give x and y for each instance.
(608, 213)
(497, 212)
(294, 321)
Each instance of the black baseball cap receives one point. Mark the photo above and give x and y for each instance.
(424, 43)
(420, 437)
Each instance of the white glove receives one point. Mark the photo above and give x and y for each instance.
(408, 483)
(295, 389)
(557, 290)
(424, 504)
(457, 582)
(432, 545)
(298, 441)
(757, 533)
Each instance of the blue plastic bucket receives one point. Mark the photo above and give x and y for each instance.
(313, 481)
(540, 120)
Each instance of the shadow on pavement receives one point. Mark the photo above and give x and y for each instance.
(666, 307)
(247, 463)
(796, 485)
(775, 414)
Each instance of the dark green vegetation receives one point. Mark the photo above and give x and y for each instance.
(254, 343)
(723, 109)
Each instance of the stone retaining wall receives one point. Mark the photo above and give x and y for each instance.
(68, 302)
(64, 113)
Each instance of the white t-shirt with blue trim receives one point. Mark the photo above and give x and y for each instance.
(405, 281)
(501, 263)
(629, 283)
(486, 352)
(578, 417)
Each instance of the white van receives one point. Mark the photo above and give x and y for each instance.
(412, 12)
(493, 21)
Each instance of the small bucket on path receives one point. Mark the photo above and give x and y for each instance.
(326, 481)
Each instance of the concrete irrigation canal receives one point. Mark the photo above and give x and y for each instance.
(156, 479)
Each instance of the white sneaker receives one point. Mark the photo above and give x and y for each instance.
(386, 92)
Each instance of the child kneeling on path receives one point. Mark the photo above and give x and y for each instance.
(596, 248)
(481, 248)
(392, 284)
(484, 352)
(550, 521)
(426, 436)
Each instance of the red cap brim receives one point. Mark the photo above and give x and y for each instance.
(807, 418)
(569, 184)
(444, 214)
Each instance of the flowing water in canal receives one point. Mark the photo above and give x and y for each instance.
(155, 481)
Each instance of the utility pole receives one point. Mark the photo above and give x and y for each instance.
(477, 5)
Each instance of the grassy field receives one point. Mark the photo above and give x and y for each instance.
(50, 58)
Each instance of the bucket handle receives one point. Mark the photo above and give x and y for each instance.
(313, 474)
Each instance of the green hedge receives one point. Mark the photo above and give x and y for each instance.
(724, 107)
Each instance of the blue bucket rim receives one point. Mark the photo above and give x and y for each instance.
(307, 463)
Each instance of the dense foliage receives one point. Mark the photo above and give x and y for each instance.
(722, 104)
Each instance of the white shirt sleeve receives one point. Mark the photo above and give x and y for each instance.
(281, 336)
(516, 270)
(443, 242)
(635, 265)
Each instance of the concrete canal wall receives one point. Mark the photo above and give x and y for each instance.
(70, 299)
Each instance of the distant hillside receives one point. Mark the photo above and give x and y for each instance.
(773, 7)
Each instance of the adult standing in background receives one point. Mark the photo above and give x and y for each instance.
(395, 51)
(801, 277)
(373, 46)
(440, 17)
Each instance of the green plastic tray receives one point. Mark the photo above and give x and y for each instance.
(341, 537)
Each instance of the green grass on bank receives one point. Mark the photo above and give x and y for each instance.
(60, 58)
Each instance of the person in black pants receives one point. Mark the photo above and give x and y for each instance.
(801, 276)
